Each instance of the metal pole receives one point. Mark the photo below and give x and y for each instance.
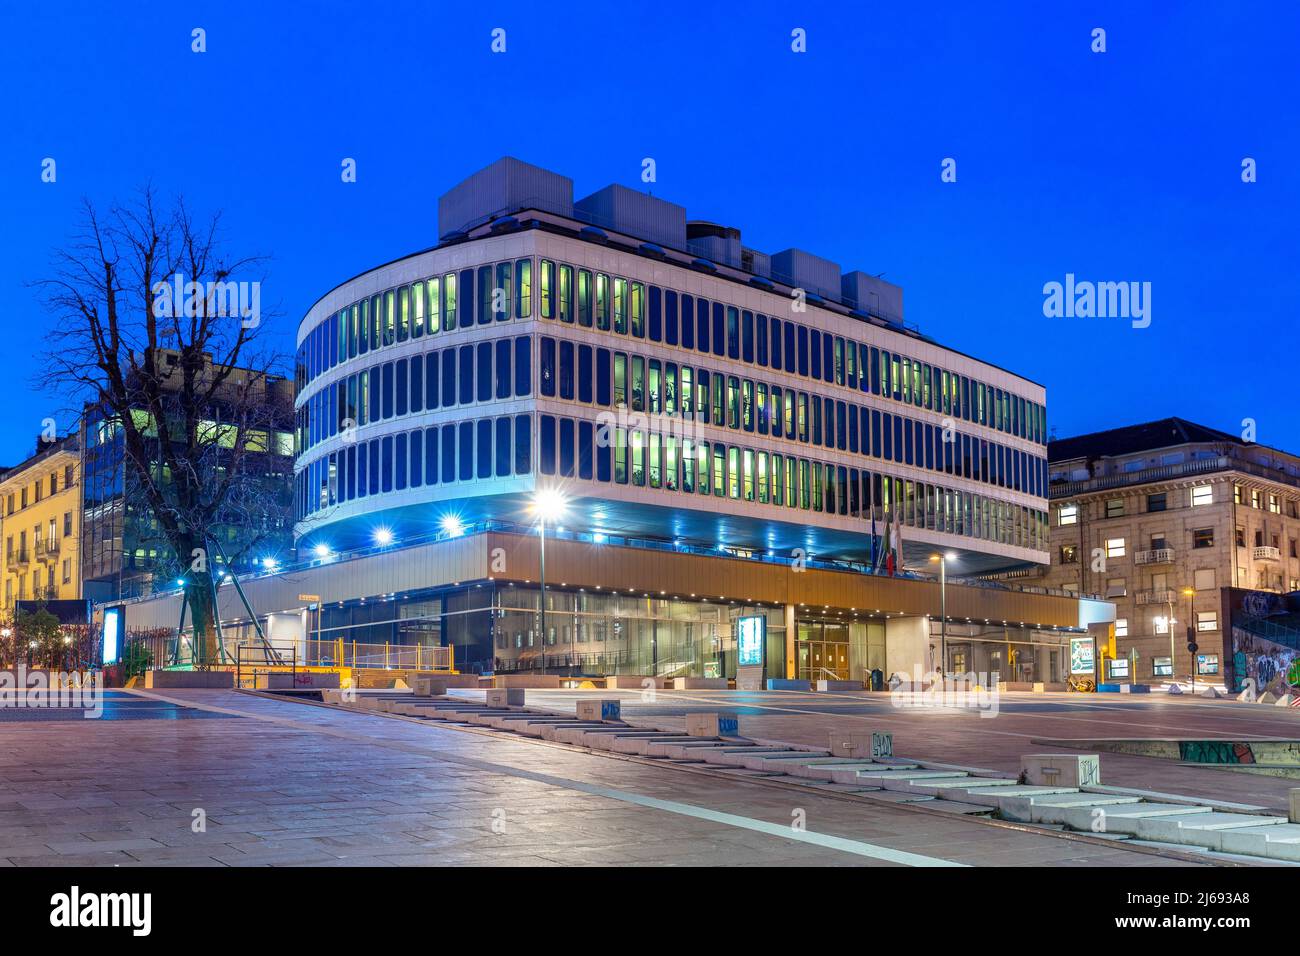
(1191, 634)
(543, 582)
(943, 617)
(1173, 671)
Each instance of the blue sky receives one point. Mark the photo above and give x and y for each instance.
(1122, 166)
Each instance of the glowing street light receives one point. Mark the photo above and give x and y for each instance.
(548, 504)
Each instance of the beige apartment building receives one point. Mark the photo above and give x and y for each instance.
(40, 526)
(1159, 518)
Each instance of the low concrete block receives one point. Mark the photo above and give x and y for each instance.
(700, 683)
(505, 697)
(429, 686)
(213, 680)
(712, 725)
(1277, 842)
(781, 683)
(302, 680)
(874, 745)
(1061, 770)
(541, 681)
(634, 682)
(1284, 701)
(838, 686)
(1053, 810)
(1210, 692)
(1246, 696)
(604, 709)
(1175, 689)
(1266, 698)
(1123, 818)
(1199, 829)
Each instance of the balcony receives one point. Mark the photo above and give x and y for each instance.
(1157, 596)
(1265, 554)
(1154, 556)
(47, 550)
(21, 556)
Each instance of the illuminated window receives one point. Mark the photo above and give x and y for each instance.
(1202, 495)
(1068, 514)
(1114, 547)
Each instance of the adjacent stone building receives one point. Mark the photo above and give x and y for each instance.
(1159, 518)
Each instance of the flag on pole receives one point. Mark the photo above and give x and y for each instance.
(872, 563)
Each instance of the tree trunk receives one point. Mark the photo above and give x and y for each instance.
(203, 614)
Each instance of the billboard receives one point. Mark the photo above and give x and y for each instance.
(1083, 655)
(751, 640)
(114, 627)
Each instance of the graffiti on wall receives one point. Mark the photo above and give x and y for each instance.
(1263, 661)
(1215, 751)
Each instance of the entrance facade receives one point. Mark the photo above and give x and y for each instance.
(822, 650)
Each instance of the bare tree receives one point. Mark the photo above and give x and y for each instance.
(157, 333)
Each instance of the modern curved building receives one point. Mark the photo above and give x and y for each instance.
(737, 434)
(677, 385)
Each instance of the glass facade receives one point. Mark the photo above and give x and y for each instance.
(820, 420)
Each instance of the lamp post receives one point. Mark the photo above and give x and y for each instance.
(547, 504)
(1191, 632)
(943, 560)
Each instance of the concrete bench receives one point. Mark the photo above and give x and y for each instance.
(208, 680)
(838, 686)
(633, 682)
(700, 683)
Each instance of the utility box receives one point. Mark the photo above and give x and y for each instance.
(712, 725)
(599, 710)
(1061, 770)
(505, 697)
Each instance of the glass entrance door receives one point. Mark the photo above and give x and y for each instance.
(822, 651)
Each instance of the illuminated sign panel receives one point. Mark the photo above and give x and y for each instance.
(751, 640)
(1083, 653)
(114, 622)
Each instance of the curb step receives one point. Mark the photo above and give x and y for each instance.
(1145, 818)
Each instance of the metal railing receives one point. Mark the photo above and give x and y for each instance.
(1156, 596)
(1154, 556)
(341, 653)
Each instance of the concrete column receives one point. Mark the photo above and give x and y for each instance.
(789, 642)
(907, 646)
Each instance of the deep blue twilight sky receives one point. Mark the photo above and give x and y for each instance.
(1117, 166)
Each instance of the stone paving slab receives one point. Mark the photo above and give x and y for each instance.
(294, 784)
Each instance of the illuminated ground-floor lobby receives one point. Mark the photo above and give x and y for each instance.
(640, 608)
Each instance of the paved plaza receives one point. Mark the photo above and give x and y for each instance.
(276, 782)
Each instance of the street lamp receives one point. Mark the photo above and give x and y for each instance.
(943, 560)
(1191, 632)
(548, 504)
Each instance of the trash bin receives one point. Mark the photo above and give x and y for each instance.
(877, 679)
